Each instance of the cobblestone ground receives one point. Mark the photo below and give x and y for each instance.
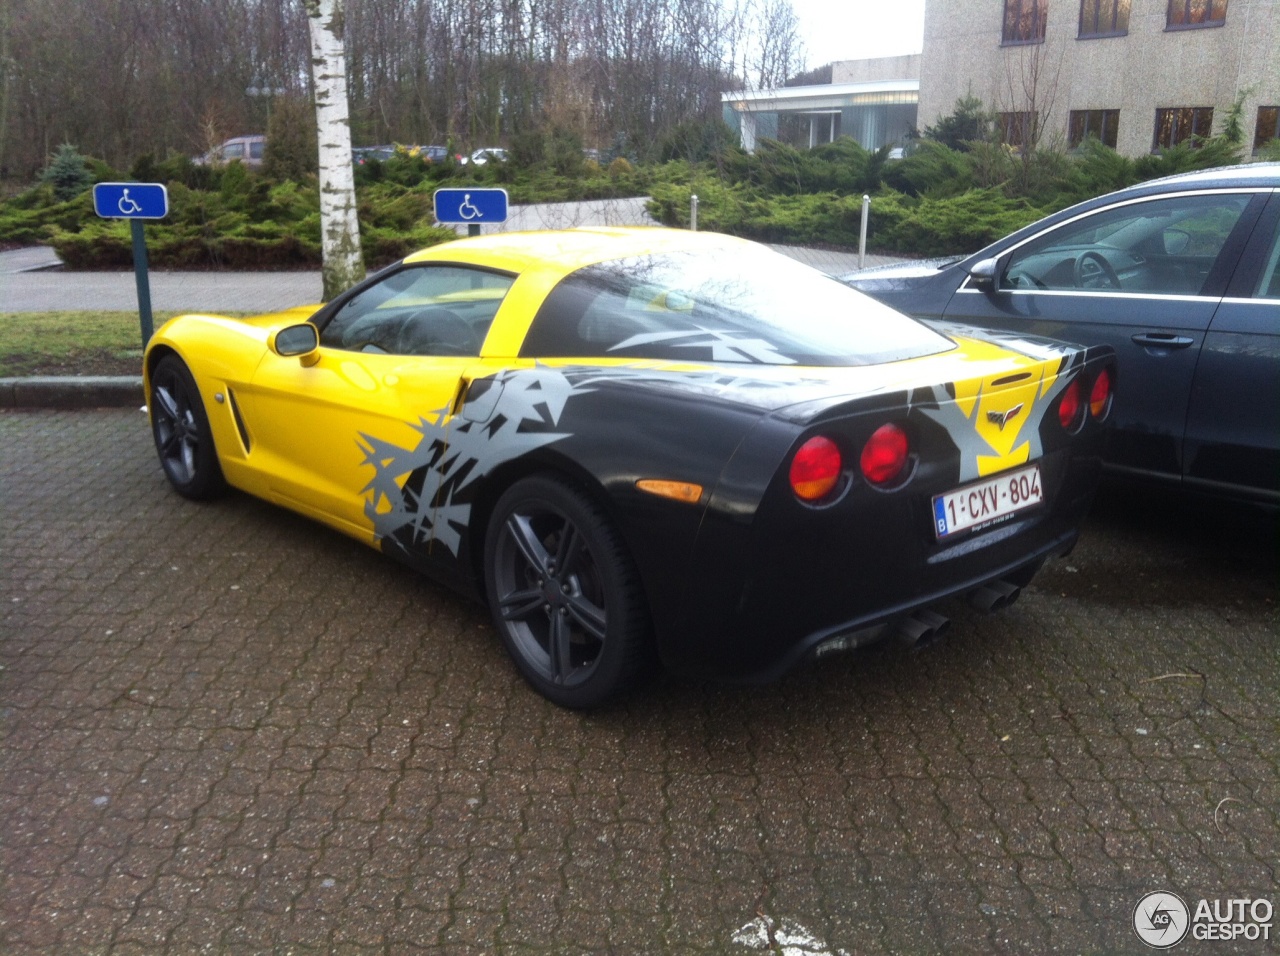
(227, 729)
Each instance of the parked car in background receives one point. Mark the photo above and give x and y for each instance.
(1182, 277)
(362, 154)
(486, 154)
(438, 154)
(244, 149)
(639, 443)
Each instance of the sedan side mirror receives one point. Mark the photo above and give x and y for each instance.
(300, 340)
(983, 273)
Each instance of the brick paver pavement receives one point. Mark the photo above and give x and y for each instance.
(227, 729)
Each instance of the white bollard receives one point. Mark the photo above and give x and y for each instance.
(862, 233)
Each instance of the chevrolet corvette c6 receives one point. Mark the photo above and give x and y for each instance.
(646, 445)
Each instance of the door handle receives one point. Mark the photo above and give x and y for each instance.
(1163, 340)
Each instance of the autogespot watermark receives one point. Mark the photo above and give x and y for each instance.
(1162, 920)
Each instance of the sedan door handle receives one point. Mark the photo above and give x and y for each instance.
(1163, 340)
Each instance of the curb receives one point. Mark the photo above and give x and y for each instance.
(62, 391)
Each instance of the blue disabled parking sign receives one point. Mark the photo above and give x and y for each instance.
(135, 201)
(472, 207)
(131, 200)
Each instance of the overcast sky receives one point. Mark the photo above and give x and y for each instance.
(859, 29)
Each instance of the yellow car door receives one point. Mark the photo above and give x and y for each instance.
(395, 356)
(315, 428)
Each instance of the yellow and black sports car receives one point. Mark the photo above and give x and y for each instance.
(646, 444)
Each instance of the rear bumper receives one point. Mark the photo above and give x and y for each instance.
(772, 594)
(866, 629)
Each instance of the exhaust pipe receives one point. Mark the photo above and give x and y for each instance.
(994, 596)
(922, 628)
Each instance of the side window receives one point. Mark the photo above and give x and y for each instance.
(420, 310)
(1269, 284)
(1166, 246)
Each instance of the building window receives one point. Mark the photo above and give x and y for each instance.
(1016, 129)
(1104, 18)
(1024, 20)
(1174, 126)
(1102, 125)
(1268, 127)
(1188, 14)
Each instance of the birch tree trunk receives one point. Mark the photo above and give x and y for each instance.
(342, 266)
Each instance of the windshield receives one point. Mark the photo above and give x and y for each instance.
(722, 305)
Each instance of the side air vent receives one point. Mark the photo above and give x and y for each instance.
(235, 413)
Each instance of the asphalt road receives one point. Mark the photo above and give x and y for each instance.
(31, 282)
(223, 728)
(49, 290)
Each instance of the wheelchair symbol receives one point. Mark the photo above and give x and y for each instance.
(468, 210)
(127, 206)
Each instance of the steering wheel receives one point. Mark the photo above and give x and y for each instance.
(437, 332)
(1093, 271)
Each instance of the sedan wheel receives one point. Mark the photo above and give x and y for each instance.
(564, 594)
(183, 438)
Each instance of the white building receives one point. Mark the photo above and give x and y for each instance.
(873, 101)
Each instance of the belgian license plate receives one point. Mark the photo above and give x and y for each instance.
(986, 502)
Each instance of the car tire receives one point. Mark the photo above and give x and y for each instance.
(181, 430)
(565, 595)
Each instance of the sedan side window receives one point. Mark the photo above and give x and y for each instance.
(1269, 284)
(1165, 246)
(420, 310)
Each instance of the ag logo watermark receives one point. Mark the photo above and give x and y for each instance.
(1163, 920)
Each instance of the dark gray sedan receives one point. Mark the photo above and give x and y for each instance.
(1182, 277)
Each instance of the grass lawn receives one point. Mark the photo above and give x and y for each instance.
(72, 343)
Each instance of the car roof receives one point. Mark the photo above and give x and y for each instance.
(1245, 176)
(568, 250)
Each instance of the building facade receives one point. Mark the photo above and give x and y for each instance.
(1138, 74)
(873, 101)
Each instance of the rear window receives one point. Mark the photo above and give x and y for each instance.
(742, 305)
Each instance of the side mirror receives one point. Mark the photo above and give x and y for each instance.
(300, 340)
(983, 273)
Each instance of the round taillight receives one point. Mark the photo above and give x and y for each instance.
(1069, 407)
(815, 469)
(885, 454)
(1100, 395)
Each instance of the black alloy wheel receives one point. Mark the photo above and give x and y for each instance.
(565, 595)
(183, 438)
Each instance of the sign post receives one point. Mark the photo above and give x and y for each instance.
(471, 206)
(135, 202)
